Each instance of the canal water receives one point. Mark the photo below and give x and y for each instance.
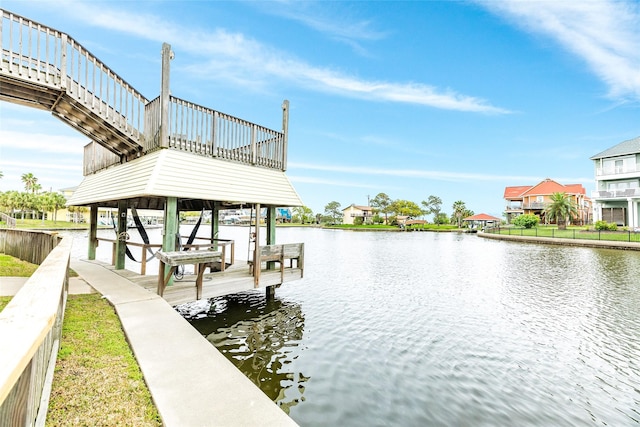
(439, 329)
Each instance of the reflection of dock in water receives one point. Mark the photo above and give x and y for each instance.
(261, 337)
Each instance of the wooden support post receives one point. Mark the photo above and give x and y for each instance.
(215, 225)
(93, 232)
(256, 252)
(270, 292)
(167, 56)
(171, 225)
(121, 241)
(271, 231)
(271, 225)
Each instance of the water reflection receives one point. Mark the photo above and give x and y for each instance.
(260, 336)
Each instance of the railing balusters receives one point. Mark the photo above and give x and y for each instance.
(51, 57)
(20, 58)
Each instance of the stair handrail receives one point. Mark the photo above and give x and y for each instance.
(59, 60)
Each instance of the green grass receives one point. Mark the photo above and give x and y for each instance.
(427, 227)
(578, 233)
(14, 267)
(97, 380)
(38, 224)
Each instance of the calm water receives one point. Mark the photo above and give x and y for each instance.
(425, 329)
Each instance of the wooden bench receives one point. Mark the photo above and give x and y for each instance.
(279, 253)
(176, 258)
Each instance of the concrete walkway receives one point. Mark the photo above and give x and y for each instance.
(191, 382)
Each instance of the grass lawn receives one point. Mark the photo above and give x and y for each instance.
(14, 267)
(428, 227)
(97, 380)
(572, 233)
(38, 224)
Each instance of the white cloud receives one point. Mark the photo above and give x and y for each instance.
(333, 20)
(59, 144)
(243, 59)
(605, 34)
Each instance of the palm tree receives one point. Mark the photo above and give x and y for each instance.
(561, 208)
(30, 182)
(459, 210)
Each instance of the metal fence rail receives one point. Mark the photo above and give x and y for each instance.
(578, 234)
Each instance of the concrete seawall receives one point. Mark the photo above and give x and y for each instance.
(565, 242)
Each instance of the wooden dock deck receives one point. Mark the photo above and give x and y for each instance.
(236, 278)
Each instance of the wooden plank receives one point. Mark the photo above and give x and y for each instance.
(188, 257)
(28, 318)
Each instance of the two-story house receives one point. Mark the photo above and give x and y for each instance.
(617, 195)
(350, 213)
(533, 199)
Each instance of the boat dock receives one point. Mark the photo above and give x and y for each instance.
(236, 278)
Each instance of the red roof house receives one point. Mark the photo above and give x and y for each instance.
(534, 199)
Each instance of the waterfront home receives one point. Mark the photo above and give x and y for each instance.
(533, 199)
(617, 195)
(353, 212)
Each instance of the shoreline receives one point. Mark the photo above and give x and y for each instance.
(602, 244)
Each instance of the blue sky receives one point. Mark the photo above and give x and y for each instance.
(456, 99)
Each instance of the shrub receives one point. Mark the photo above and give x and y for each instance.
(526, 220)
(605, 226)
(358, 221)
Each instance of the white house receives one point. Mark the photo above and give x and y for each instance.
(350, 213)
(617, 195)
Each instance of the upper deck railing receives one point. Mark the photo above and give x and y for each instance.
(55, 67)
(617, 170)
(616, 194)
(204, 131)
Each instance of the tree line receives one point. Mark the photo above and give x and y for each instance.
(33, 201)
(386, 211)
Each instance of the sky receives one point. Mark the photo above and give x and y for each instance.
(456, 99)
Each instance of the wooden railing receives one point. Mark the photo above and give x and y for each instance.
(9, 220)
(279, 254)
(201, 130)
(146, 250)
(30, 331)
(46, 56)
